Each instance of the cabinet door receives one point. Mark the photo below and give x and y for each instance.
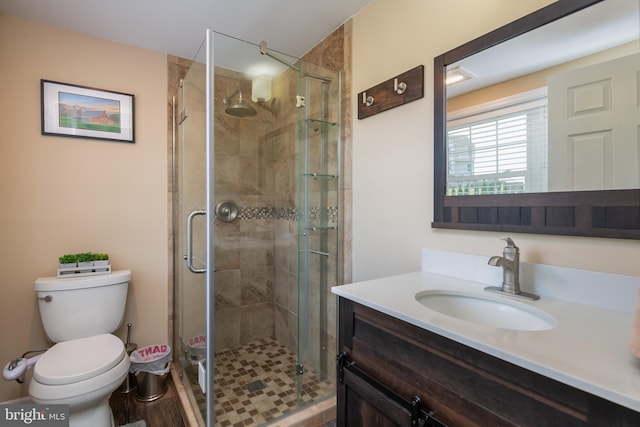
(365, 401)
(365, 406)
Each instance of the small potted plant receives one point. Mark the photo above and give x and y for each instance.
(85, 259)
(68, 261)
(101, 261)
(67, 264)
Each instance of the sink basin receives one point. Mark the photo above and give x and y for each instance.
(499, 312)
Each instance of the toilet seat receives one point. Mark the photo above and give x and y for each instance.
(78, 360)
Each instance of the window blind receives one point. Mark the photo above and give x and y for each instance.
(499, 147)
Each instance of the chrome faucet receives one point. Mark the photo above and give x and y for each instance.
(510, 263)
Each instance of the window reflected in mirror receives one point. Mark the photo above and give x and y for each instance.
(498, 147)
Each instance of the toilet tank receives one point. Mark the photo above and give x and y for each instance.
(79, 307)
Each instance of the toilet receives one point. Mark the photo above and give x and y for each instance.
(87, 363)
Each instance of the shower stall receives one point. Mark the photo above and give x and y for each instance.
(256, 232)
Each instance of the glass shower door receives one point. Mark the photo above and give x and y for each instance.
(190, 225)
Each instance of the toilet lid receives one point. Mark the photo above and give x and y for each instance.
(77, 360)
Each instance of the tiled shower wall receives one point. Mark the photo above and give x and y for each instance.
(256, 168)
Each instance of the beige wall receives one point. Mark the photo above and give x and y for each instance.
(62, 195)
(393, 151)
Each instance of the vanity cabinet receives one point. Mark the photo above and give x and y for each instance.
(392, 373)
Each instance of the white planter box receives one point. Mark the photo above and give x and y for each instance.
(101, 265)
(67, 268)
(83, 270)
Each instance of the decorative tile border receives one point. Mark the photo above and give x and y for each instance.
(290, 214)
(263, 212)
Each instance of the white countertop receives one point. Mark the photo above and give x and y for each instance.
(587, 349)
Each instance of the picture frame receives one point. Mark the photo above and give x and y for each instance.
(85, 112)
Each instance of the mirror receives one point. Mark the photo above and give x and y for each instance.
(540, 131)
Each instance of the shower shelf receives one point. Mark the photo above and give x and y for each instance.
(321, 227)
(321, 122)
(320, 176)
(321, 253)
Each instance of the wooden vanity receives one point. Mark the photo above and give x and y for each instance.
(393, 373)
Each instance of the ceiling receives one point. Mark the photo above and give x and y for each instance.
(178, 27)
(602, 26)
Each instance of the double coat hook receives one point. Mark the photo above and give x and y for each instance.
(398, 90)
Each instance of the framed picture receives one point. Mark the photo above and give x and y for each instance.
(78, 111)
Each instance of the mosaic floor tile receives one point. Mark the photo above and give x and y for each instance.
(256, 383)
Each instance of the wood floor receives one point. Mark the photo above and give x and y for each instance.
(164, 412)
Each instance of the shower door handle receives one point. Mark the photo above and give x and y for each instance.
(190, 242)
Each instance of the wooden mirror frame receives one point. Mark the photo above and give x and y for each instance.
(607, 213)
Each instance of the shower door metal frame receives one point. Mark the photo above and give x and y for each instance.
(210, 218)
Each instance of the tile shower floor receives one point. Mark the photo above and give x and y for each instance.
(256, 383)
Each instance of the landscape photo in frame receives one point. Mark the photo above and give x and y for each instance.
(78, 111)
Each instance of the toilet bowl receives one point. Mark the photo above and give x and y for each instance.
(81, 373)
(87, 363)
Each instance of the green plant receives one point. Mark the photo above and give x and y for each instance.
(85, 257)
(68, 259)
(100, 257)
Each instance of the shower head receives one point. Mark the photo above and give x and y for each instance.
(240, 109)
